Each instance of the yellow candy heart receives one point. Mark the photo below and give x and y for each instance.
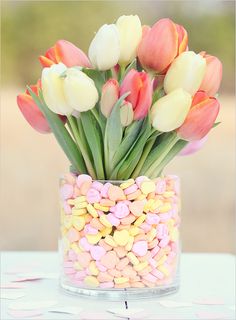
(121, 237)
(78, 223)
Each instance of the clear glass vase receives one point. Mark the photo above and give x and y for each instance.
(120, 239)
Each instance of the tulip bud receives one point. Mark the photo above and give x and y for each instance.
(104, 50)
(31, 112)
(200, 119)
(80, 91)
(193, 147)
(161, 44)
(53, 89)
(110, 94)
(186, 72)
(212, 79)
(130, 33)
(65, 52)
(169, 112)
(140, 87)
(126, 114)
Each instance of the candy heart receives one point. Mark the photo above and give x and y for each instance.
(140, 248)
(121, 237)
(97, 252)
(121, 210)
(116, 193)
(136, 207)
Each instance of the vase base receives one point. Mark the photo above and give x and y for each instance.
(120, 294)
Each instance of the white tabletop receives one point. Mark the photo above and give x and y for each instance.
(205, 277)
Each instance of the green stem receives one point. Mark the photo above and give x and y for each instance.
(163, 154)
(146, 151)
(173, 152)
(121, 72)
(81, 146)
(96, 116)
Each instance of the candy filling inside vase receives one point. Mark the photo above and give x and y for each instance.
(119, 239)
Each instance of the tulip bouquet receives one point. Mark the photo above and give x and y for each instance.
(134, 103)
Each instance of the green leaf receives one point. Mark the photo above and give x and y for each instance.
(97, 76)
(132, 65)
(93, 137)
(62, 135)
(216, 124)
(158, 154)
(130, 161)
(172, 153)
(127, 142)
(158, 93)
(113, 134)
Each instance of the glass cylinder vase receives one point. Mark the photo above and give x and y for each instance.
(119, 239)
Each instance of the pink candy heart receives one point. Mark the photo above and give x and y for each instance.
(140, 248)
(97, 252)
(121, 210)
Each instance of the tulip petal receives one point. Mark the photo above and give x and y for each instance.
(170, 111)
(32, 114)
(186, 72)
(70, 55)
(45, 62)
(213, 76)
(200, 120)
(159, 46)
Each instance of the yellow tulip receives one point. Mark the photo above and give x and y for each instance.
(80, 91)
(187, 72)
(130, 34)
(170, 111)
(53, 89)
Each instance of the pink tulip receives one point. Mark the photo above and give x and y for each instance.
(213, 76)
(200, 118)
(110, 94)
(65, 52)
(140, 87)
(193, 147)
(161, 44)
(31, 112)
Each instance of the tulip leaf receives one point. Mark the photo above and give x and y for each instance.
(129, 162)
(216, 124)
(157, 154)
(62, 135)
(93, 137)
(96, 76)
(132, 65)
(113, 134)
(171, 154)
(131, 134)
(158, 93)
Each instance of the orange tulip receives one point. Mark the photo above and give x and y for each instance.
(31, 112)
(212, 79)
(65, 52)
(200, 118)
(161, 44)
(140, 87)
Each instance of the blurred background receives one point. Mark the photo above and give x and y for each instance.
(32, 163)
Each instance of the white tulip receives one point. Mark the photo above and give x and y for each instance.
(130, 32)
(170, 111)
(53, 89)
(80, 91)
(104, 50)
(187, 72)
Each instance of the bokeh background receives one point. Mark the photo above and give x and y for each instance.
(31, 163)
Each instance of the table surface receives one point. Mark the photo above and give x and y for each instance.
(203, 276)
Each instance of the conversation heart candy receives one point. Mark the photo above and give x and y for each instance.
(121, 210)
(140, 248)
(97, 252)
